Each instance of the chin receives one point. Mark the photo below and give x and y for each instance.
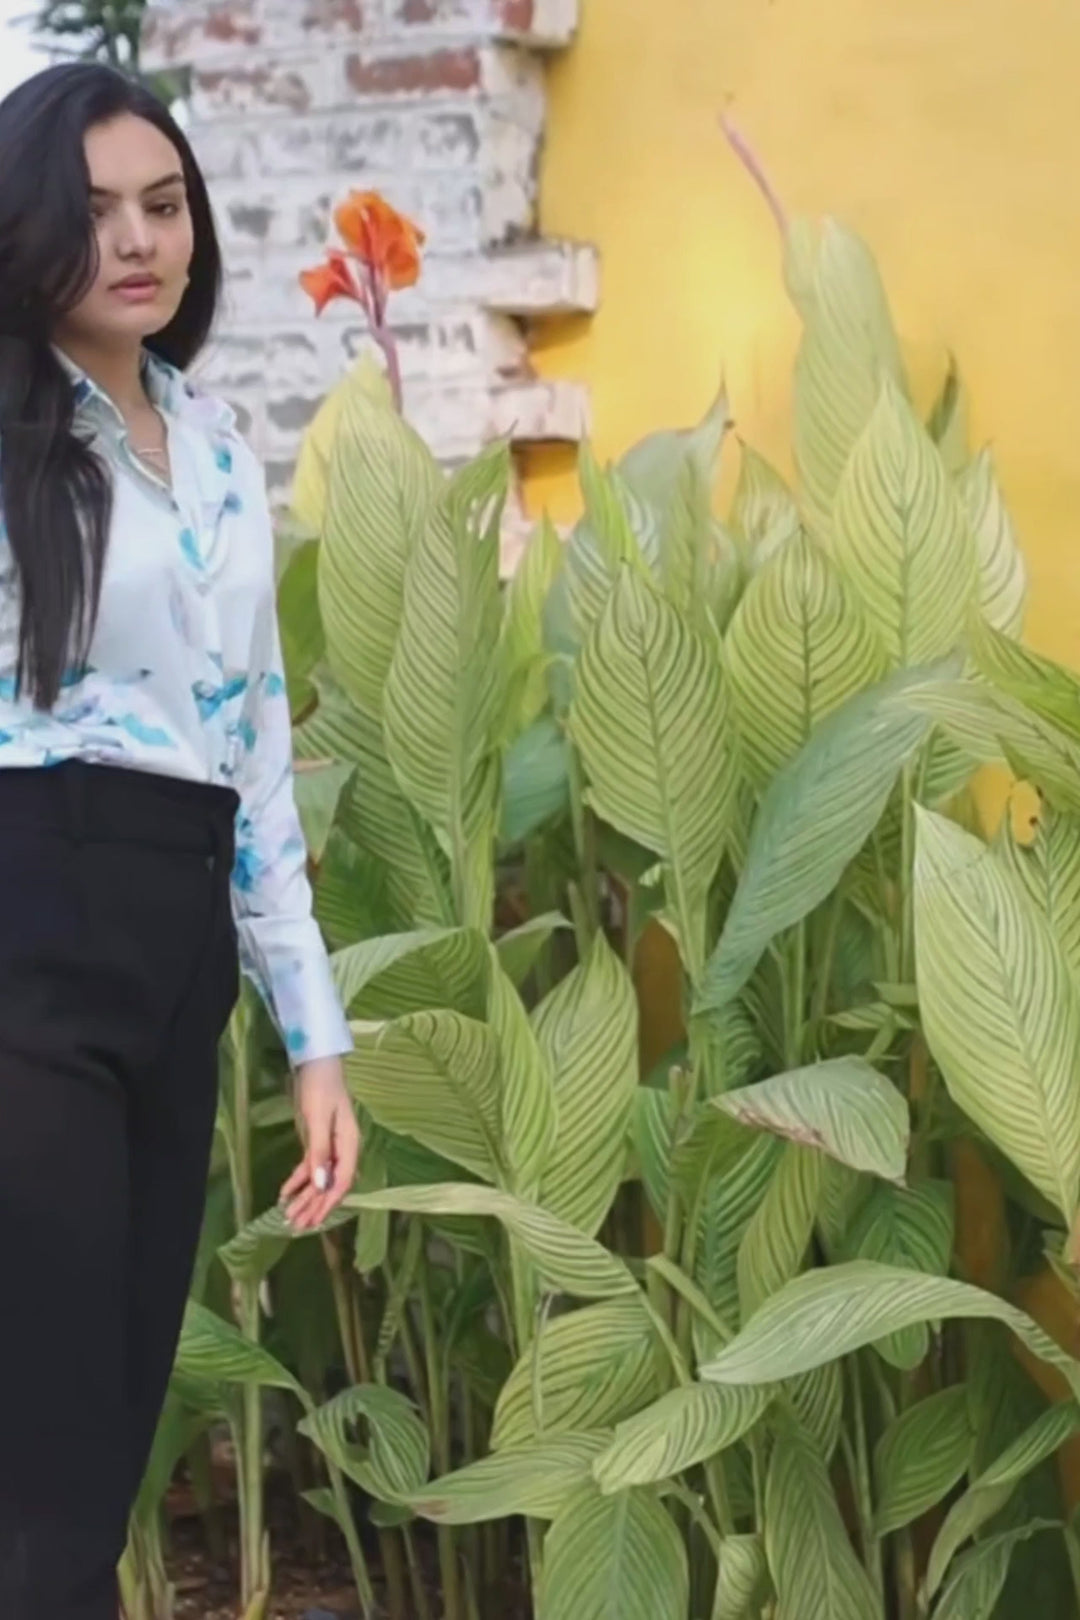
(141, 322)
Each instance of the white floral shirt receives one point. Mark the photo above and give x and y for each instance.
(184, 677)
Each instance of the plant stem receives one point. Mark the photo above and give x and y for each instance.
(819, 1007)
(453, 1606)
(421, 1607)
(795, 997)
(357, 1561)
(907, 852)
(246, 1309)
(384, 337)
(584, 830)
(864, 1495)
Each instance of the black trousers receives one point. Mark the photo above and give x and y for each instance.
(118, 971)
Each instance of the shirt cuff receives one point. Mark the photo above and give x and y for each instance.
(288, 964)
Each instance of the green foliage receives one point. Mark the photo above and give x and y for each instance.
(108, 31)
(697, 1326)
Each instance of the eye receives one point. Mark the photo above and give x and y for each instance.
(166, 210)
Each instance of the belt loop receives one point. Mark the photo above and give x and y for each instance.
(75, 792)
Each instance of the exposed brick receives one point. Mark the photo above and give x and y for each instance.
(226, 26)
(539, 23)
(232, 91)
(400, 141)
(294, 146)
(332, 15)
(518, 15)
(439, 104)
(415, 75)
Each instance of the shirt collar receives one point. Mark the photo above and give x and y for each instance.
(167, 387)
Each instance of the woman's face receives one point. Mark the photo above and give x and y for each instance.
(145, 240)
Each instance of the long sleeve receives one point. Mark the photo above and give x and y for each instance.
(281, 948)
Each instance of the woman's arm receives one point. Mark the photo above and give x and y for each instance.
(282, 951)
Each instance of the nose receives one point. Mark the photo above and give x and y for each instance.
(134, 239)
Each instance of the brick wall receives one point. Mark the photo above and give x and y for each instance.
(439, 104)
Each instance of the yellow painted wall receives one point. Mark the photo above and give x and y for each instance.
(947, 132)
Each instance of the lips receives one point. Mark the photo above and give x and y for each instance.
(137, 284)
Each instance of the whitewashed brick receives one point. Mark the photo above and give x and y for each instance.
(222, 31)
(438, 105)
(527, 280)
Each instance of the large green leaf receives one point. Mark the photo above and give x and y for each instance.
(352, 893)
(587, 1029)
(797, 620)
(303, 643)
(742, 1575)
(825, 1314)
(817, 1400)
(519, 948)
(921, 1456)
(383, 484)
(433, 1076)
(988, 1493)
(527, 1103)
(900, 537)
(999, 1006)
(440, 707)
(535, 1479)
(214, 1351)
(684, 1427)
(1049, 689)
(419, 971)
(614, 1558)
(778, 1235)
(1000, 562)
(991, 726)
(736, 1186)
(392, 1460)
(375, 815)
(593, 1366)
(764, 514)
(617, 529)
(536, 780)
(947, 422)
(814, 1568)
(1049, 869)
(317, 788)
(672, 474)
(566, 1260)
(521, 639)
(979, 1577)
(651, 718)
(842, 1106)
(816, 814)
(848, 346)
(258, 1246)
(911, 1227)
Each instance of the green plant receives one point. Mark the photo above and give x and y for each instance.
(761, 738)
(107, 31)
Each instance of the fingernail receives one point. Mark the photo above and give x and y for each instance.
(322, 1178)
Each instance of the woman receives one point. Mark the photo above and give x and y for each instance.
(146, 810)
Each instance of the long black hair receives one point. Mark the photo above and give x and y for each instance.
(55, 493)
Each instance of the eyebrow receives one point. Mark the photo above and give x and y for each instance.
(157, 185)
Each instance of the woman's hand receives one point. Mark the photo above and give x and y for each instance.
(326, 1121)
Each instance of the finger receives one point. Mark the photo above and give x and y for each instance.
(320, 1157)
(299, 1177)
(347, 1147)
(302, 1205)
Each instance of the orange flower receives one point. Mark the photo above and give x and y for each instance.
(384, 240)
(328, 281)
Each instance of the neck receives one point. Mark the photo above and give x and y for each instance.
(116, 369)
